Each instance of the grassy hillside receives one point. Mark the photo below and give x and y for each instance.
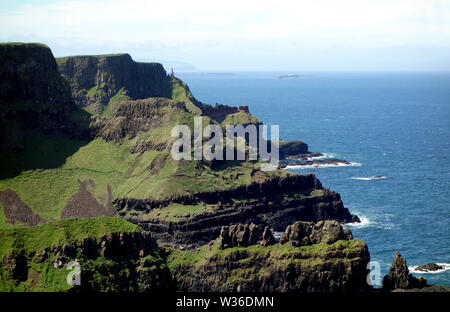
(47, 189)
(24, 268)
(58, 233)
(281, 255)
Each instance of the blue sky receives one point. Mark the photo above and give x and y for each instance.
(243, 35)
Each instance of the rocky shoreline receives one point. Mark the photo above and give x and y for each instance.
(313, 163)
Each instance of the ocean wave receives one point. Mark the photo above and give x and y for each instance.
(364, 222)
(324, 156)
(369, 178)
(352, 164)
(446, 266)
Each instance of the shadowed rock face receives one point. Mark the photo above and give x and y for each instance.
(109, 74)
(398, 276)
(33, 95)
(16, 210)
(30, 80)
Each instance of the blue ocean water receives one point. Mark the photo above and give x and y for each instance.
(395, 125)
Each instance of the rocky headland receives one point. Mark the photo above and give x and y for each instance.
(86, 175)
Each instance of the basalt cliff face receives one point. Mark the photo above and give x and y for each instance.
(34, 96)
(96, 80)
(333, 264)
(276, 203)
(120, 258)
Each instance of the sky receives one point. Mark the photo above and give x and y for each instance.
(232, 35)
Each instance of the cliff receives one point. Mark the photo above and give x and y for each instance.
(292, 148)
(34, 100)
(113, 256)
(98, 83)
(33, 95)
(129, 160)
(274, 202)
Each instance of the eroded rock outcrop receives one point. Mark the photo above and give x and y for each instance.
(308, 233)
(292, 148)
(430, 267)
(398, 276)
(340, 266)
(243, 235)
(15, 210)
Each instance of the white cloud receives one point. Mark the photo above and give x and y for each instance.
(191, 28)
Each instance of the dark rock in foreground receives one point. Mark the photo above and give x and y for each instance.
(325, 267)
(399, 277)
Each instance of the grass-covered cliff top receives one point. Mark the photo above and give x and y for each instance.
(279, 255)
(25, 44)
(58, 233)
(62, 59)
(240, 118)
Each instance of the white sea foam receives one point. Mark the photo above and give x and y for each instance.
(324, 156)
(446, 266)
(352, 164)
(369, 178)
(317, 157)
(364, 222)
(277, 236)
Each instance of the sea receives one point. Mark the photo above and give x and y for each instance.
(394, 125)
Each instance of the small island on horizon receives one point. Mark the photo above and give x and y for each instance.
(287, 76)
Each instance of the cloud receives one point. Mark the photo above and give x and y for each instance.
(194, 28)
